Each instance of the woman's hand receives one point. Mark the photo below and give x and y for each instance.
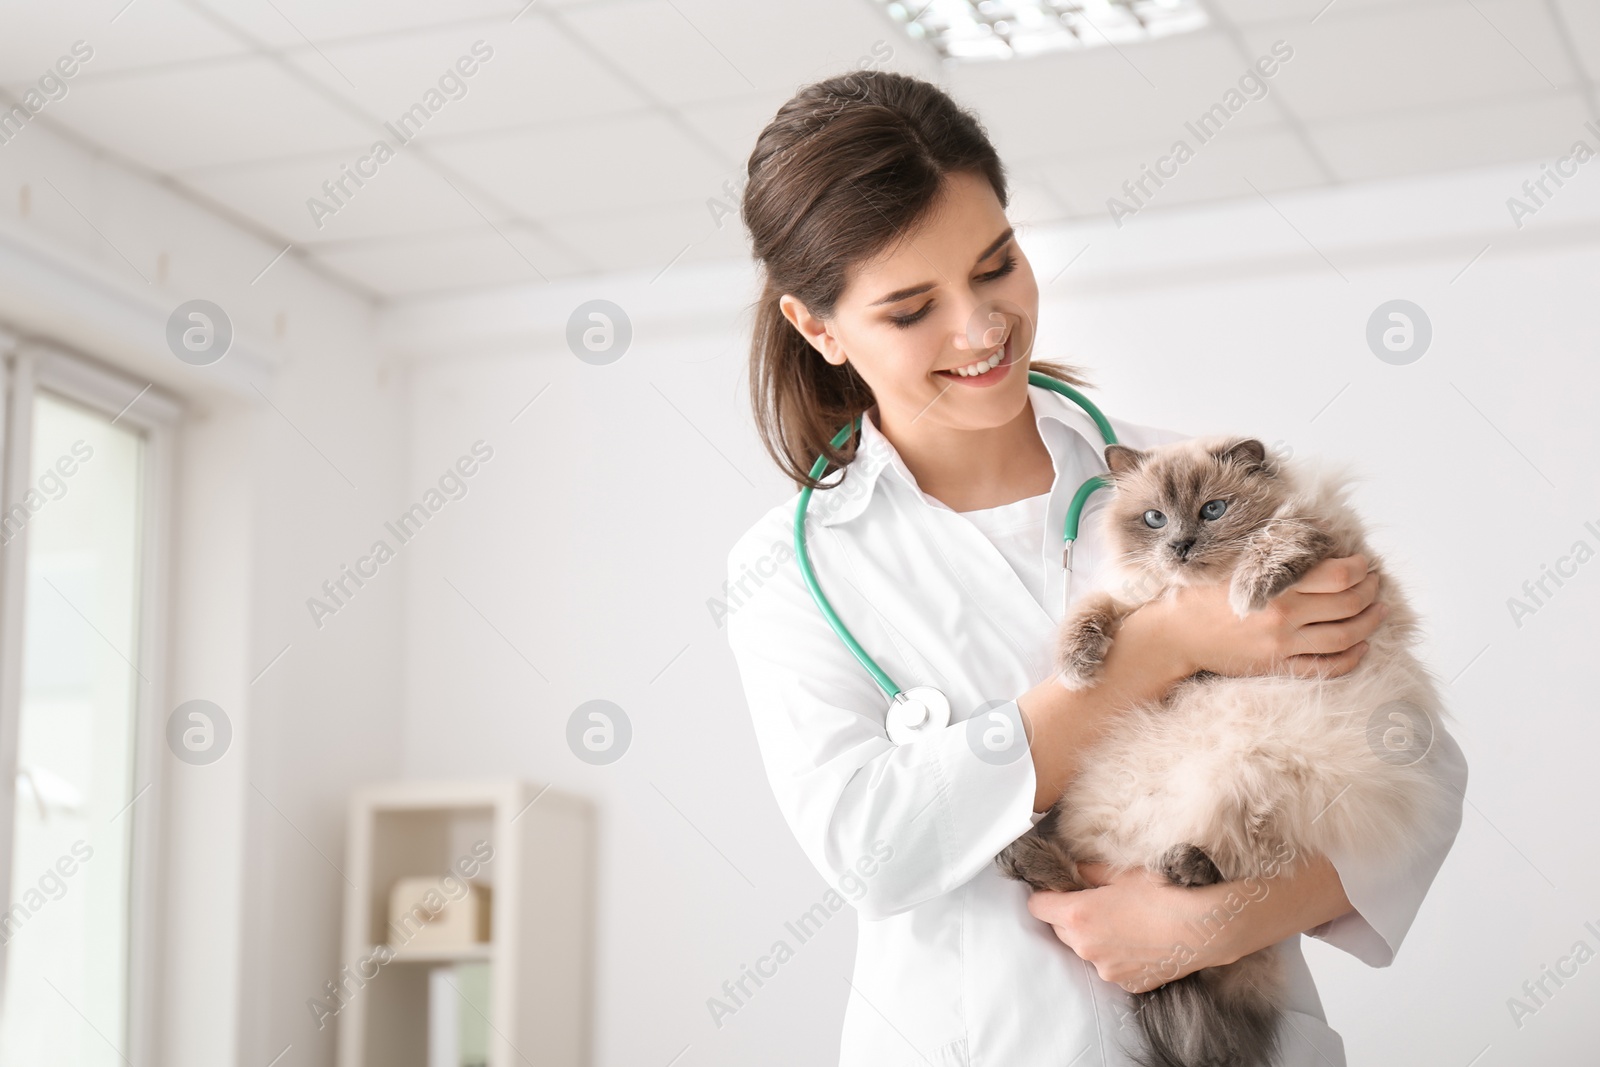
(1141, 932)
(1135, 929)
(1318, 626)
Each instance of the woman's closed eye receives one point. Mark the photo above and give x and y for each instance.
(903, 321)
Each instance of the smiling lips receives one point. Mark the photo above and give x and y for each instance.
(982, 368)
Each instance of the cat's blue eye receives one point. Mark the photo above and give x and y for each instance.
(1213, 509)
(1154, 519)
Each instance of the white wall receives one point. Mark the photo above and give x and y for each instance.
(97, 261)
(582, 560)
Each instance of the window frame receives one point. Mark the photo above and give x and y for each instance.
(29, 367)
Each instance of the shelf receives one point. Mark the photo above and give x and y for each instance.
(465, 954)
(533, 848)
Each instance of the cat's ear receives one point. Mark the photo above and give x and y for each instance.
(1122, 459)
(1246, 452)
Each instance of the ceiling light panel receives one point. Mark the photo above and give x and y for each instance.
(1001, 29)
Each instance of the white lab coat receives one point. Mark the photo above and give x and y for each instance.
(950, 967)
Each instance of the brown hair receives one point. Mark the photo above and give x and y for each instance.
(845, 167)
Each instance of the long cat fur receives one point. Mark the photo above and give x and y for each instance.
(1235, 778)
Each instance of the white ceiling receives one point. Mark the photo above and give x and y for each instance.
(594, 138)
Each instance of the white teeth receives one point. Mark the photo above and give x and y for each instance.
(982, 366)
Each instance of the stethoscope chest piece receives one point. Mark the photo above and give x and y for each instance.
(916, 712)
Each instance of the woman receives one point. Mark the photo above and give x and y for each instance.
(895, 288)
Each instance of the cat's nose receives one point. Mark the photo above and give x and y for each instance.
(1181, 548)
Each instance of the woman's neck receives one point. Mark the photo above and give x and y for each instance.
(968, 470)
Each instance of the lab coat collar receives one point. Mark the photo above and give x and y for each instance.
(846, 499)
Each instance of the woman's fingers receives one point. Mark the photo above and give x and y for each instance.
(1333, 575)
(1050, 906)
(1318, 626)
(1339, 635)
(1303, 607)
(1334, 648)
(1327, 664)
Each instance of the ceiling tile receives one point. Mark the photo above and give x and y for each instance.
(481, 257)
(673, 57)
(225, 112)
(651, 238)
(1102, 99)
(286, 23)
(1376, 62)
(37, 35)
(1295, 12)
(1221, 168)
(1384, 146)
(532, 74)
(694, 50)
(586, 168)
(1582, 19)
(732, 125)
(777, 47)
(402, 196)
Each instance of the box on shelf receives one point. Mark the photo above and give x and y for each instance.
(431, 914)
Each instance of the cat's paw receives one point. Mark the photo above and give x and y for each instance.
(1279, 555)
(1188, 865)
(1085, 641)
(1040, 862)
(1250, 591)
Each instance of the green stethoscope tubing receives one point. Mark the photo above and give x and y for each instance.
(1069, 534)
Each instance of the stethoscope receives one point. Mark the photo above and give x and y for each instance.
(923, 709)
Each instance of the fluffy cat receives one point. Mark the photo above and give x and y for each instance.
(1234, 778)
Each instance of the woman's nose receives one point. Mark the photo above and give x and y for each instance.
(982, 327)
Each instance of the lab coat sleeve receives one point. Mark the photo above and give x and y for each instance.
(1387, 895)
(850, 795)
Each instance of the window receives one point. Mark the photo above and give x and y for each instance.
(79, 707)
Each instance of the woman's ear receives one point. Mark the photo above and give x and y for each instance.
(813, 329)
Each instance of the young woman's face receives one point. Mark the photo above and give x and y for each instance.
(941, 325)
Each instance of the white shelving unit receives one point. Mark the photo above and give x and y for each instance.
(540, 950)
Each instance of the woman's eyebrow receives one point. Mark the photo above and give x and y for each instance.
(902, 294)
